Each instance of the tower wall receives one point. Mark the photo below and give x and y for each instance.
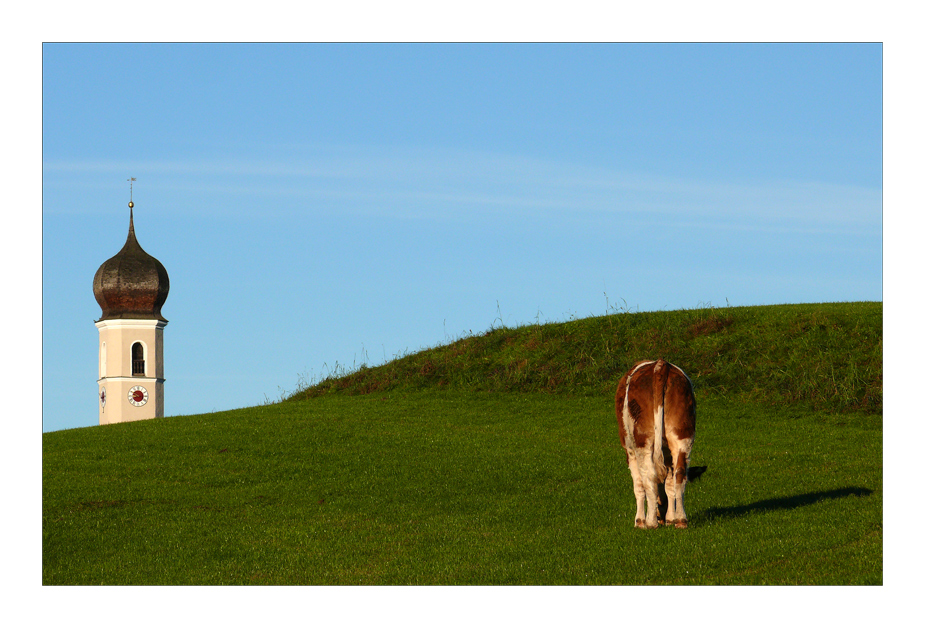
(116, 376)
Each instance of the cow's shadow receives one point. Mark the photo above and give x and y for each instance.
(783, 503)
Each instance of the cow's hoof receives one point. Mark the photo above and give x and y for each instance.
(640, 523)
(680, 523)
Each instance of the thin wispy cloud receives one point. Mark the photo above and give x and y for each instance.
(419, 183)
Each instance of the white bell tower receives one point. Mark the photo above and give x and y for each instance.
(131, 287)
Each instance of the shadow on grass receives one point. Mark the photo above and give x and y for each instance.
(780, 503)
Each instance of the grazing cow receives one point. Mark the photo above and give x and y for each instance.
(656, 413)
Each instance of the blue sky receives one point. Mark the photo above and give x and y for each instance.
(340, 204)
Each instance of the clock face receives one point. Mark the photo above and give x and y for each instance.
(103, 397)
(138, 396)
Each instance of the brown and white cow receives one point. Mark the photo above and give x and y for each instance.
(657, 413)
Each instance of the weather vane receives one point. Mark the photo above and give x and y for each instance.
(131, 204)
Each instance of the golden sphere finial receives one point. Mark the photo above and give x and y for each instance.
(130, 195)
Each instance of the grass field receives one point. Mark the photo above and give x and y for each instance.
(474, 481)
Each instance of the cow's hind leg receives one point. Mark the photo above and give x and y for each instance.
(662, 503)
(665, 507)
(669, 498)
(638, 490)
(649, 479)
(678, 482)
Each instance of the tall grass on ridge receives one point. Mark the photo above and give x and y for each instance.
(827, 356)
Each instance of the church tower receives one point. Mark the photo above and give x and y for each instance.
(131, 287)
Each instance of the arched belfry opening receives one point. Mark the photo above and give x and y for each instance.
(138, 359)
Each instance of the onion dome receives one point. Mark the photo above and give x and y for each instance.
(132, 284)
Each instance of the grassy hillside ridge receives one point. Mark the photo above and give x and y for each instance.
(828, 356)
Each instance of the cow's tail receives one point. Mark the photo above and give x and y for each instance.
(661, 382)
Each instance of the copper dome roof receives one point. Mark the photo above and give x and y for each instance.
(132, 284)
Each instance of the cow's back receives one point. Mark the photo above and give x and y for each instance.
(634, 410)
(680, 405)
(646, 387)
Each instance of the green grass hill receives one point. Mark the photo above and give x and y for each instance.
(828, 356)
(494, 459)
